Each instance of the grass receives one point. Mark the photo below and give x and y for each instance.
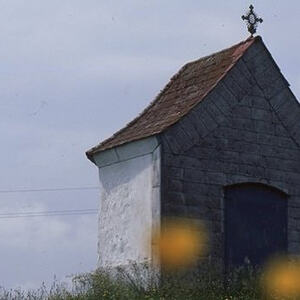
(243, 284)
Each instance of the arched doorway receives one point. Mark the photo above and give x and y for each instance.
(255, 224)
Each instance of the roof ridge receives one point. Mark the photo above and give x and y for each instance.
(223, 50)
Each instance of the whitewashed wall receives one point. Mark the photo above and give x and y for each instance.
(130, 202)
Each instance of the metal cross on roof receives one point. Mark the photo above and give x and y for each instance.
(252, 20)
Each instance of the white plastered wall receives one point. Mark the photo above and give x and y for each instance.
(129, 203)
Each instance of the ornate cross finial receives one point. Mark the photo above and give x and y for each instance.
(252, 20)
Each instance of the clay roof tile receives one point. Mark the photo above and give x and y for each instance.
(186, 89)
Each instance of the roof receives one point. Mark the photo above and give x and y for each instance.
(185, 90)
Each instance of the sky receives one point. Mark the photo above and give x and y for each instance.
(72, 72)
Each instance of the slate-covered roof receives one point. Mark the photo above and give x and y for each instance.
(185, 90)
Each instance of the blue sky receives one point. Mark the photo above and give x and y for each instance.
(73, 72)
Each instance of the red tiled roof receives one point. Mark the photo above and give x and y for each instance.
(185, 90)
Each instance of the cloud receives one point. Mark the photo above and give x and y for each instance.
(31, 234)
(59, 245)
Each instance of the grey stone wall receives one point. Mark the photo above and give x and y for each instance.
(246, 130)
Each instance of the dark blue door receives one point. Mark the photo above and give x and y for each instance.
(255, 224)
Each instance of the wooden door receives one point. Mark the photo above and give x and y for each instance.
(255, 224)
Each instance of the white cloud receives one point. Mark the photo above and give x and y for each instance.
(31, 234)
(40, 246)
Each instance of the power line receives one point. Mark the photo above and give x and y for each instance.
(49, 189)
(54, 215)
(49, 213)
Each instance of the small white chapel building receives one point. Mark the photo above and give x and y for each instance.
(220, 143)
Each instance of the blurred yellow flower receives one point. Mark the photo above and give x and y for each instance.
(282, 277)
(179, 243)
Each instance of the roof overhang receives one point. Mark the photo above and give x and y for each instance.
(124, 152)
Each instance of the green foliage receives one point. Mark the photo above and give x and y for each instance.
(242, 284)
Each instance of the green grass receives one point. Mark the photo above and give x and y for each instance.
(243, 284)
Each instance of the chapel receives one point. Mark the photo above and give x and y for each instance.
(220, 143)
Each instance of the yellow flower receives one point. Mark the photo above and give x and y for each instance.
(282, 278)
(179, 243)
